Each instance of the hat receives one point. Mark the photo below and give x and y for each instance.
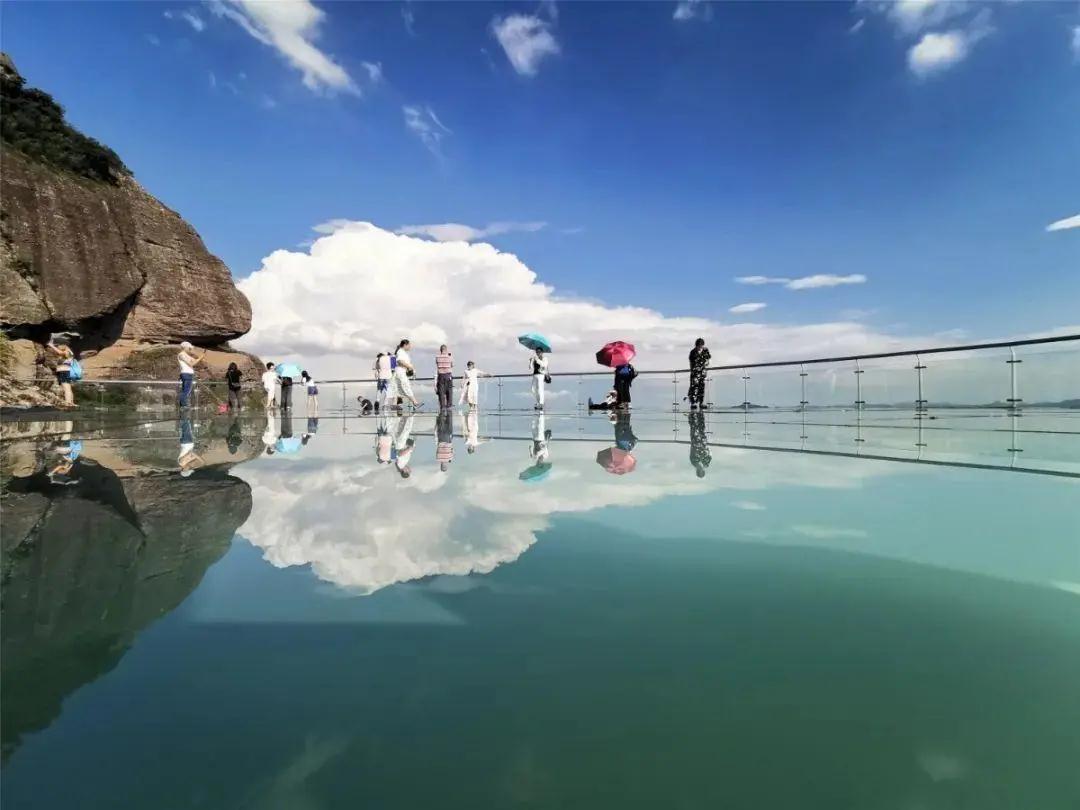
(186, 345)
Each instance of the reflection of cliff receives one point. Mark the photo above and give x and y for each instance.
(88, 564)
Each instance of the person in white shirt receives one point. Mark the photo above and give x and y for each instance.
(404, 370)
(470, 392)
(270, 381)
(538, 365)
(188, 361)
(383, 377)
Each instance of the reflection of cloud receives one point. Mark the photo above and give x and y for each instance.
(748, 506)
(829, 532)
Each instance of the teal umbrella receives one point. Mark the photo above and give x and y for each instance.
(287, 370)
(536, 473)
(288, 444)
(534, 341)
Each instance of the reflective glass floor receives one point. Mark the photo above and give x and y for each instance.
(818, 611)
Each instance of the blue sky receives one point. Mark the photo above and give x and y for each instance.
(667, 152)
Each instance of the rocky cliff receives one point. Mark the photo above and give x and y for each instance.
(84, 248)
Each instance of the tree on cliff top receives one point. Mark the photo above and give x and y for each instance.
(33, 123)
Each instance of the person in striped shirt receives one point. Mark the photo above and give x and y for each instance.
(444, 381)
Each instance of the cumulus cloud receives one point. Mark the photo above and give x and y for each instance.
(805, 282)
(456, 232)
(936, 52)
(526, 40)
(687, 10)
(290, 27)
(360, 288)
(750, 307)
(912, 16)
(1064, 224)
(422, 122)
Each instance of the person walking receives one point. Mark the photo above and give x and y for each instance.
(624, 377)
(403, 370)
(233, 376)
(383, 375)
(444, 378)
(188, 361)
(64, 356)
(270, 381)
(699, 364)
(538, 366)
(470, 389)
(312, 393)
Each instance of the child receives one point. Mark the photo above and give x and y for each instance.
(470, 392)
(312, 392)
(606, 404)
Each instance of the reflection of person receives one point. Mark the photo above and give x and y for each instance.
(699, 363)
(470, 391)
(270, 433)
(384, 442)
(269, 381)
(539, 449)
(365, 405)
(624, 434)
(234, 438)
(444, 447)
(65, 471)
(403, 446)
(233, 376)
(700, 454)
(187, 360)
(312, 429)
(444, 378)
(606, 404)
(402, 372)
(383, 374)
(64, 356)
(187, 459)
(538, 367)
(624, 377)
(471, 429)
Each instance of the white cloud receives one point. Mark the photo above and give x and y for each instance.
(857, 26)
(374, 71)
(1064, 224)
(425, 125)
(526, 39)
(751, 307)
(193, 19)
(455, 232)
(305, 305)
(748, 506)
(806, 282)
(912, 16)
(687, 10)
(290, 27)
(153, 40)
(408, 17)
(213, 81)
(1076, 42)
(936, 52)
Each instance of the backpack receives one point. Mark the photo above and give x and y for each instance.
(393, 362)
(626, 371)
(75, 373)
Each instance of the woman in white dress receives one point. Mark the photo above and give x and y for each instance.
(402, 385)
(470, 392)
(538, 365)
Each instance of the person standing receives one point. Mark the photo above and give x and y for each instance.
(286, 381)
(444, 378)
(470, 390)
(188, 361)
(538, 366)
(312, 393)
(624, 377)
(403, 370)
(270, 381)
(64, 356)
(699, 364)
(233, 378)
(383, 375)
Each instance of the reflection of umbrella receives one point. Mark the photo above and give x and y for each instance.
(288, 444)
(536, 473)
(616, 461)
(616, 353)
(288, 370)
(531, 340)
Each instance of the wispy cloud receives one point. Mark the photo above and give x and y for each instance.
(193, 19)
(408, 17)
(1076, 42)
(806, 282)
(153, 40)
(290, 27)
(456, 232)
(738, 309)
(425, 125)
(748, 506)
(857, 26)
(936, 52)
(830, 532)
(1064, 224)
(686, 10)
(526, 39)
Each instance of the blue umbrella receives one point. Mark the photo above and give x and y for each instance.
(534, 341)
(288, 370)
(288, 444)
(536, 473)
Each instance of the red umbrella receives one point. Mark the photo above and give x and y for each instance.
(616, 353)
(616, 461)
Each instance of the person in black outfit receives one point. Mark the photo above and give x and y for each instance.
(233, 378)
(699, 363)
(700, 454)
(286, 393)
(624, 376)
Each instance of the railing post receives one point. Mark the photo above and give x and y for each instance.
(674, 391)
(920, 401)
(802, 398)
(1014, 449)
(859, 402)
(1014, 399)
(343, 397)
(745, 391)
(500, 393)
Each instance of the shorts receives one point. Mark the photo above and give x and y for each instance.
(313, 390)
(64, 376)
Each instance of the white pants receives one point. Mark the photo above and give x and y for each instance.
(468, 394)
(402, 386)
(538, 388)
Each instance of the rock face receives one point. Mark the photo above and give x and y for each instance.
(98, 257)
